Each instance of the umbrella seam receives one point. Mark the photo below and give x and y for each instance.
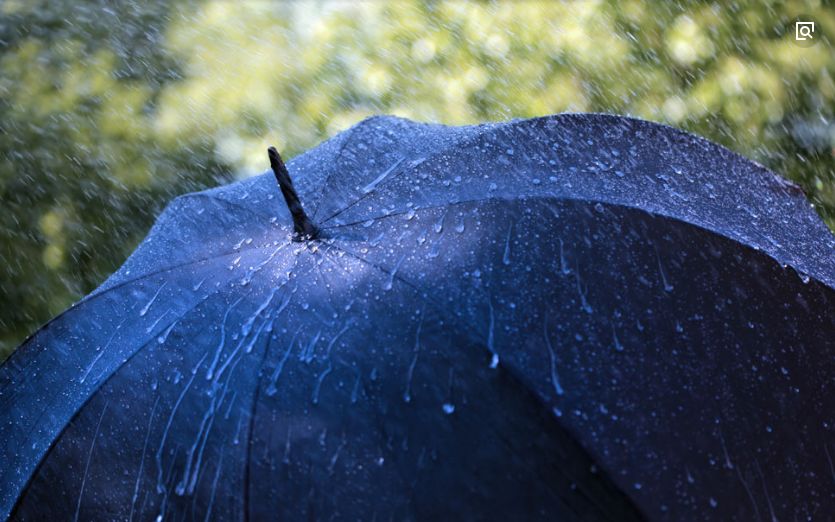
(462, 142)
(321, 194)
(96, 293)
(652, 212)
(489, 128)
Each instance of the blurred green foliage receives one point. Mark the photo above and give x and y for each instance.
(107, 111)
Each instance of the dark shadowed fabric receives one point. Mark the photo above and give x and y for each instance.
(578, 317)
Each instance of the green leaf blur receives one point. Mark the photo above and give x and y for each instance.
(109, 110)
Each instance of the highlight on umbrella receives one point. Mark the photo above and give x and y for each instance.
(525, 261)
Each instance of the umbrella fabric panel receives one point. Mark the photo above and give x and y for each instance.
(692, 368)
(352, 418)
(199, 228)
(375, 150)
(47, 379)
(599, 158)
(167, 434)
(392, 411)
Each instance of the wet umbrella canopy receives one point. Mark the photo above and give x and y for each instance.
(572, 317)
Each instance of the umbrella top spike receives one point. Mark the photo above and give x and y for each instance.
(303, 227)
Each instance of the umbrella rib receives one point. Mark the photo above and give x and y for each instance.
(335, 168)
(361, 198)
(96, 293)
(10, 362)
(204, 195)
(653, 212)
(434, 155)
(461, 202)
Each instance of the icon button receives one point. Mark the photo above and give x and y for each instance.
(804, 31)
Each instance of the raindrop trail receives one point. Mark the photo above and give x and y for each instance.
(142, 460)
(618, 345)
(192, 468)
(160, 482)
(829, 459)
(198, 285)
(211, 372)
(162, 338)
(407, 394)
(449, 406)
(393, 273)
(355, 392)
(214, 486)
(286, 457)
(371, 186)
(319, 382)
(254, 270)
(494, 360)
(247, 326)
(563, 265)
(439, 225)
(148, 306)
(336, 338)
(101, 351)
(765, 490)
(89, 458)
(307, 354)
(155, 323)
(555, 380)
(728, 463)
(506, 256)
(667, 286)
(750, 494)
(582, 292)
(271, 388)
(335, 458)
(366, 190)
(233, 358)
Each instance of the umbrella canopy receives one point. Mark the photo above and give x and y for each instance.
(572, 317)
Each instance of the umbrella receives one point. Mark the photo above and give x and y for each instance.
(571, 317)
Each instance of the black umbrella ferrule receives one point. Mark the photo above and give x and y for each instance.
(303, 227)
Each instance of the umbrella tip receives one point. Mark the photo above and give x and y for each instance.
(303, 227)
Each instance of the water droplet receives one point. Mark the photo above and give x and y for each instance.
(494, 361)
(448, 408)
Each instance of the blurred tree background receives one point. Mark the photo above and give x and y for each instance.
(109, 110)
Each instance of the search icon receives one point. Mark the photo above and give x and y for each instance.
(804, 31)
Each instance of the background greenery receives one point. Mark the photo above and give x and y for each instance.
(107, 111)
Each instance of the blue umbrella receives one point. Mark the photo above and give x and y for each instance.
(572, 317)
